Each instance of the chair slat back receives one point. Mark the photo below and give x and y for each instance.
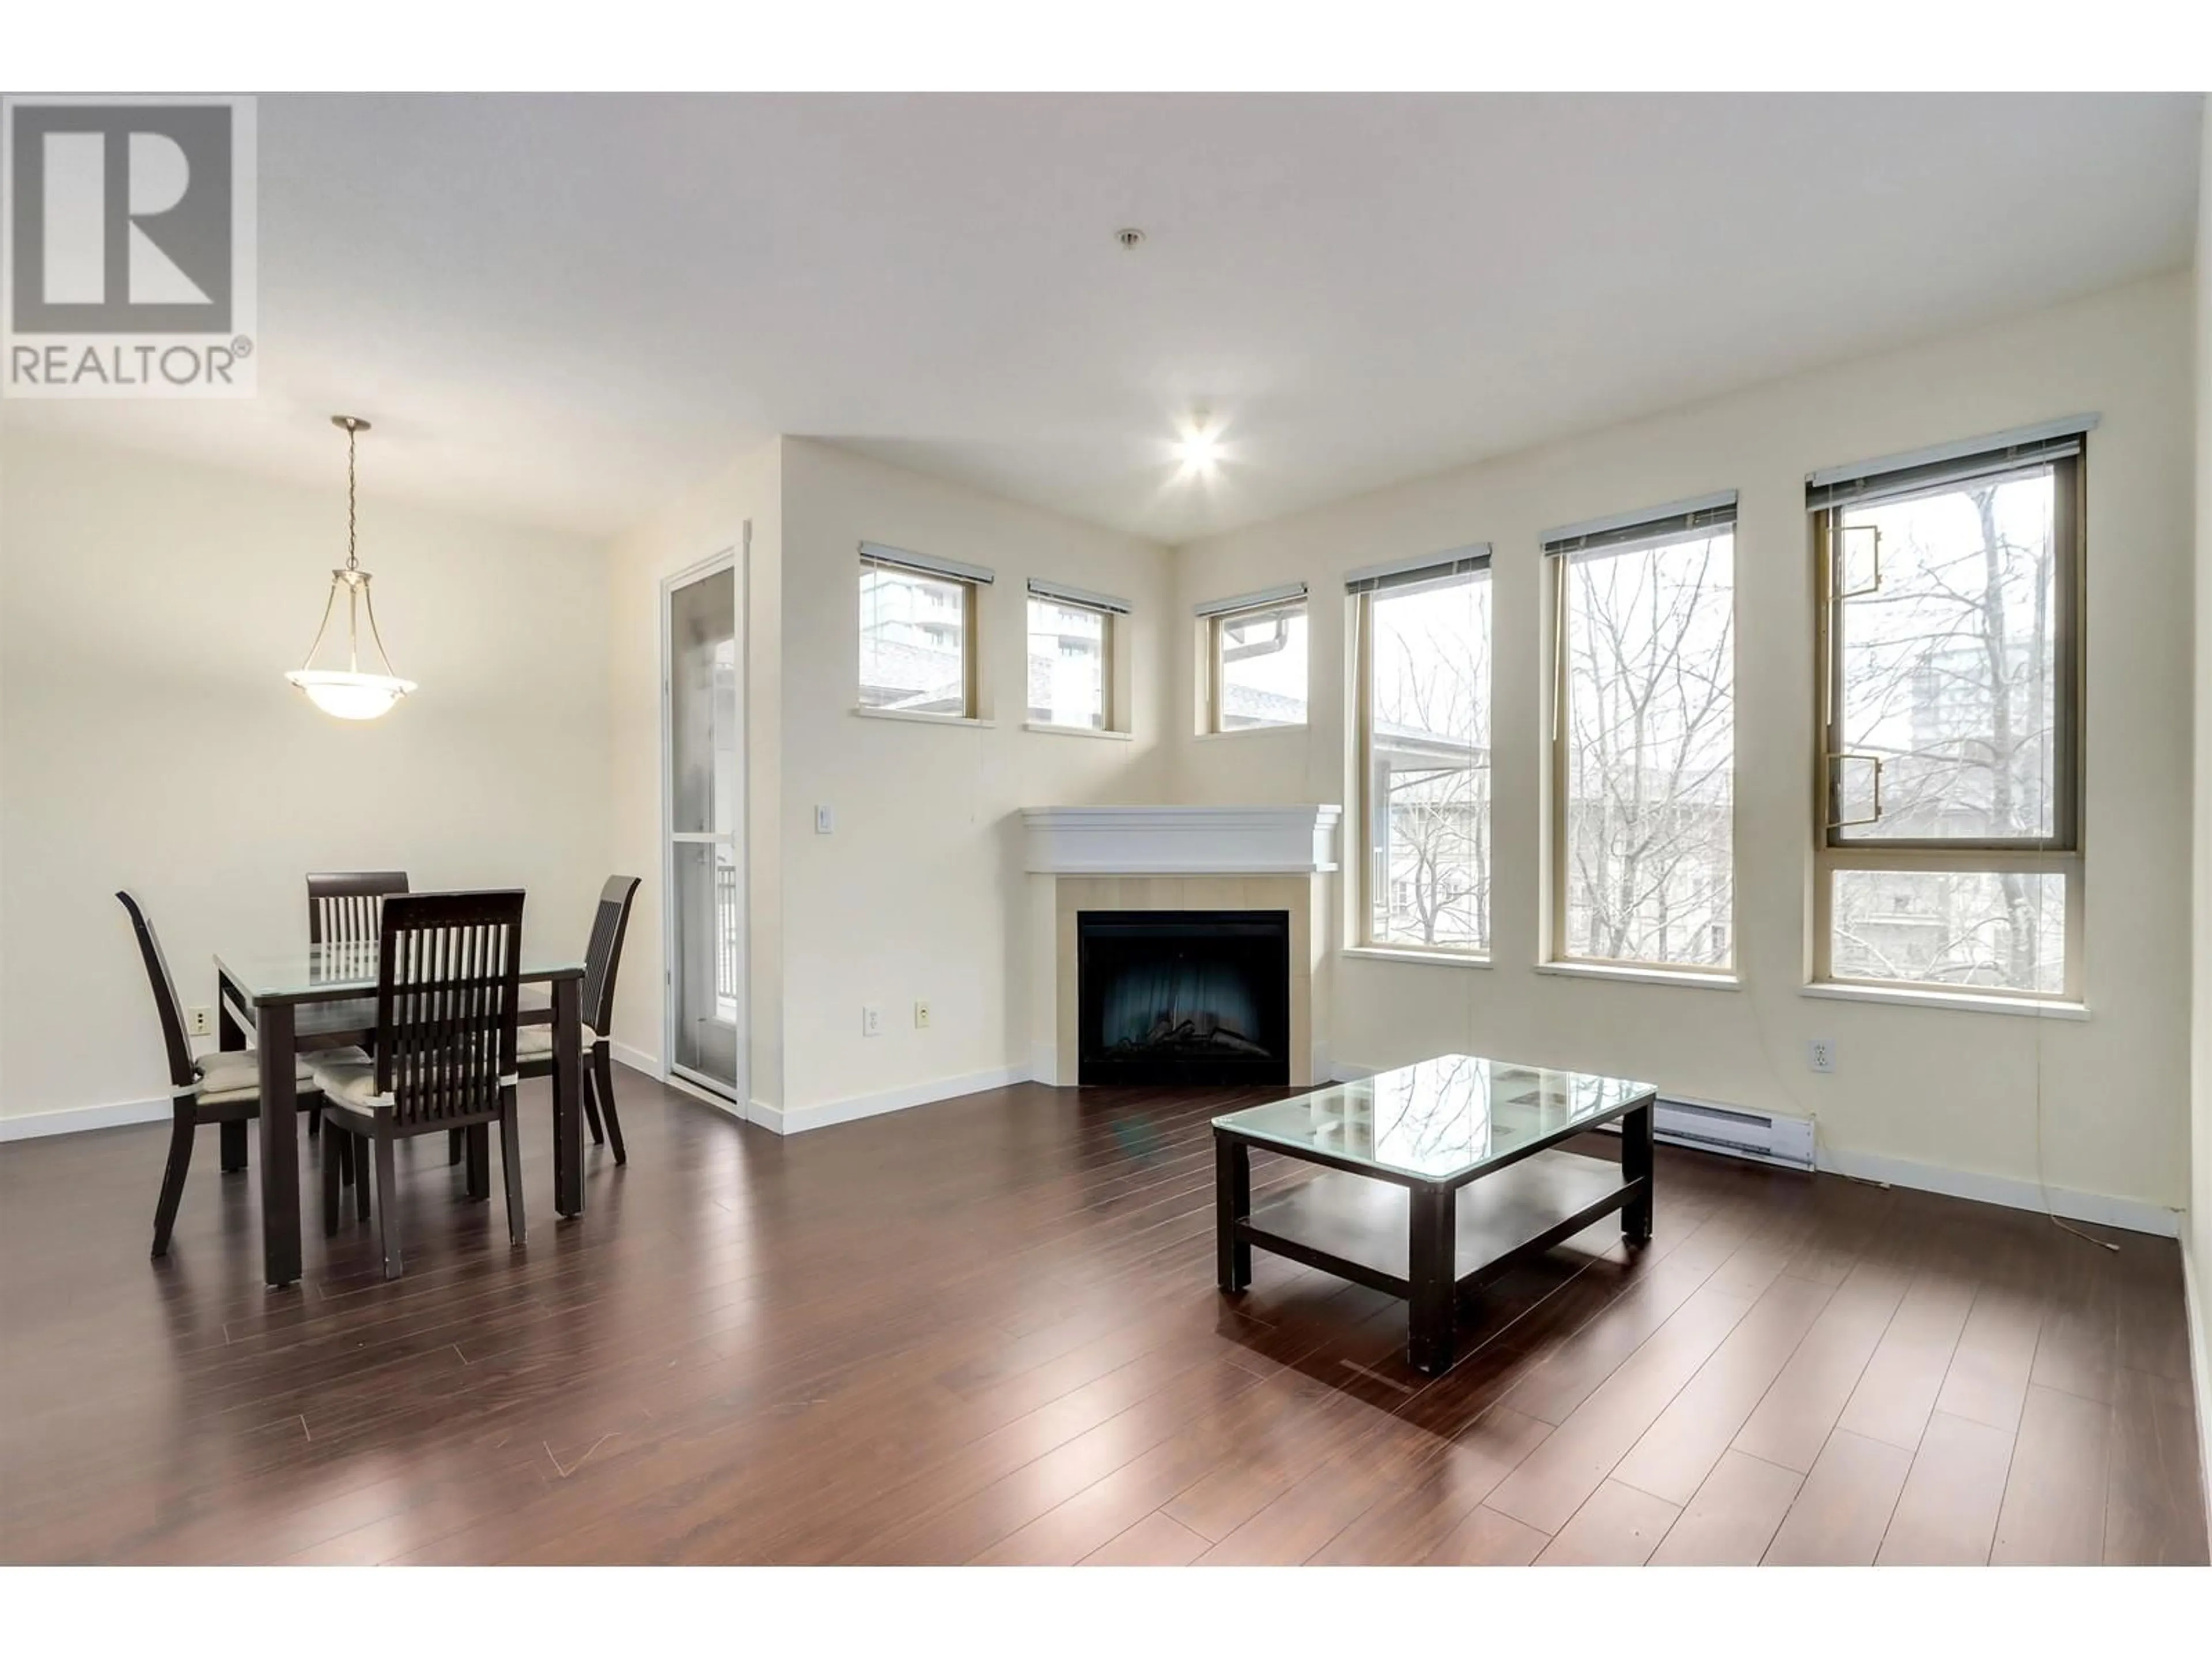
(182, 1071)
(603, 954)
(346, 907)
(448, 985)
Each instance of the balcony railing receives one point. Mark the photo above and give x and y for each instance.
(729, 961)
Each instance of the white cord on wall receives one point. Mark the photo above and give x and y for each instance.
(2043, 1186)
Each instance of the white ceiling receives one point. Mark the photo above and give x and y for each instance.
(568, 309)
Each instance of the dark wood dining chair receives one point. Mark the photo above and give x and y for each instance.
(223, 1089)
(602, 956)
(448, 987)
(347, 906)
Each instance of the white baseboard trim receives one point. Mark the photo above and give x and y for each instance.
(75, 1120)
(2134, 1215)
(798, 1119)
(2131, 1213)
(767, 1116)
(637, 1059)
(2194, 1290)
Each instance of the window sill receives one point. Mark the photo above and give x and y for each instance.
(1050, 730)
(1957, 1002)
(1429, 959)
(1248, 732)
(1689, 977)
(914, 717)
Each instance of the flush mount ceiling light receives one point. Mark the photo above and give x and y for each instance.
(349, 693)
(1199, 447)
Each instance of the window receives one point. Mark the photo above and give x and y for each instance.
(1255, 649)
(1644, 739)
(1949, 850)
(918, 633)
(1423, 655)
(1071, 656)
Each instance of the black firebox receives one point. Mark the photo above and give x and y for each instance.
(1183, 996)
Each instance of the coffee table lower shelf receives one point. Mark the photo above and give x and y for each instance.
(1364, 1230)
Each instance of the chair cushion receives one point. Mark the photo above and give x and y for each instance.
(536, 1042)
(348, 1077)
(235, 1074)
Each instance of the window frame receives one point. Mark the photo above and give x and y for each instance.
(1363, 690)
(1109, 631)
(2060, 853)
(1661, 528)
(1214, 623)
(970, 588)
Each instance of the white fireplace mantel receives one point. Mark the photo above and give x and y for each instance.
(1180, 841)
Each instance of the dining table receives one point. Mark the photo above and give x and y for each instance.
(324, 996)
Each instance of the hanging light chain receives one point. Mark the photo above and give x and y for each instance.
(353, 435)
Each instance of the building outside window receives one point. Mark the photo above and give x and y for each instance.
(1950, 850)
(1070, 670)
(917, 627)
(1256, 660)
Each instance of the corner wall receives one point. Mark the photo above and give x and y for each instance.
(2197, 1237)
(707, 521)
(919, 894)
(1938, 1089)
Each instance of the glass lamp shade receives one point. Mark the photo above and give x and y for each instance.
(349, 693)
(349, 696)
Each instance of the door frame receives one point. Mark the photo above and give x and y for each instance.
(737, 1098)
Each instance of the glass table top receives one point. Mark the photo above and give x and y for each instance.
(1443, 1118)
(316, 973)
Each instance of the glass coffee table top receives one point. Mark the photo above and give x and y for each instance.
(1442, 1119)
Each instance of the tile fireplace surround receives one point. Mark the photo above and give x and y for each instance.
(1177, 857)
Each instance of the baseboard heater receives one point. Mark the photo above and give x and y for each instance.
(1762, 1136)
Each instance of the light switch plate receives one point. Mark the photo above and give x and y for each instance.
(826, 821)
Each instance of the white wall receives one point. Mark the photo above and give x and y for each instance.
(2197, 1240)
(920, 893)
(707, 521)
(148, 608)
(1947, 1089)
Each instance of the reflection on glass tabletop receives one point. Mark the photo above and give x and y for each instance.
(339, 968)
(1442, 1117)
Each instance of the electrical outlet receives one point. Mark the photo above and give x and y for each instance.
(1820, 1054)
(921, 1017)
(826, 821)
(199, 1022)
(872, 1020)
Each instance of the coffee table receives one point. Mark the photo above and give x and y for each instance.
(1402, 1145)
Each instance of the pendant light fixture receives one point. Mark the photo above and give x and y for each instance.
(349, 693)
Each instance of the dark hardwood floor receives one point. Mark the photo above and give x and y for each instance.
(987, 1330)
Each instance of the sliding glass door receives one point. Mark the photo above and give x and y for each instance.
(704, 776)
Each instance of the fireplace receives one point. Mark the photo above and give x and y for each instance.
(1183, 996)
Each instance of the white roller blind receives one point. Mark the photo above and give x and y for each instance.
(1041, 589)
(1284, 595)
(1411, 572)
(1677, 520)
(1941, 465)
(927, 564)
